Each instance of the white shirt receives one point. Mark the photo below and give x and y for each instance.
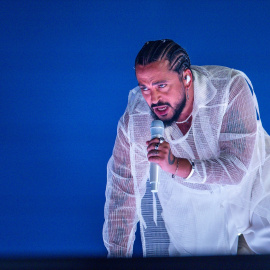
(229, 188)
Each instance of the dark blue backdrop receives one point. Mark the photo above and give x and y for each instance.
(66, 68)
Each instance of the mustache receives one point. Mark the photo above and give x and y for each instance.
(160, 104)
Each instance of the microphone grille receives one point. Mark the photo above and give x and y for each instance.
(157, 123)
(157, 128)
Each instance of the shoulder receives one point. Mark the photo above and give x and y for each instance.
(136, 102)
(213, 72)
(136, 106)
(210, 84)
(217, 82)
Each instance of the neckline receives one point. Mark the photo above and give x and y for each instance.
(185, 121)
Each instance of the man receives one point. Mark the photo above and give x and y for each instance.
(214, 160)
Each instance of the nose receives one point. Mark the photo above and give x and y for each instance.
(155, 96)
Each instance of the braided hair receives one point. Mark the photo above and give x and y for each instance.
(164, 49)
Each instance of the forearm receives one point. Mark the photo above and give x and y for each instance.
(119, 212)
(227, 169)
(120, 207)
(119, 230)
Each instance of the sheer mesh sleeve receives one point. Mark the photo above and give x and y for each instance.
(120, 207)
(236, 141)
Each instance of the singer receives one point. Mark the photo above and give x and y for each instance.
(213, 159)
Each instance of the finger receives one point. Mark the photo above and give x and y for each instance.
(153, 146)
(153, 156)
(153, 153)
(162, 146)
(154, 159)
(157, 153)
(156, 146)
(161, 140)
(155, 140)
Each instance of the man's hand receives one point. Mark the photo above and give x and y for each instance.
(161, 154)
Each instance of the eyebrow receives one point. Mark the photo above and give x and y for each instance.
(155, 83)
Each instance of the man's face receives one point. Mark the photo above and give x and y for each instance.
(162, 89)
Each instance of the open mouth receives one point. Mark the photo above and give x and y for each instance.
(161, 110)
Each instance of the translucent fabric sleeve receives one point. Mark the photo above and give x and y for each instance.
(120, 207)
(236, 141)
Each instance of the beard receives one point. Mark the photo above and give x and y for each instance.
(177, 111)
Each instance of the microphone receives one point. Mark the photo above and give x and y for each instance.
(157, 131)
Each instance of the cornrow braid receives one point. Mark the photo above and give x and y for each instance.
(164, 49)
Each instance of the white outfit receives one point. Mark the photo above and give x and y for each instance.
(229, 192)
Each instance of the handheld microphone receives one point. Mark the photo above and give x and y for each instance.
(157, 131)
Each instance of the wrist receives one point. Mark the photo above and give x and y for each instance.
(177, 167)
(184, 168)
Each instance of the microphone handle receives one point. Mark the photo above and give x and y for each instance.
(154, 169)
(157, 131)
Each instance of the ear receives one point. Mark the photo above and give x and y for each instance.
(187, 78)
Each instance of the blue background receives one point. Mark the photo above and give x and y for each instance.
(66, 68)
